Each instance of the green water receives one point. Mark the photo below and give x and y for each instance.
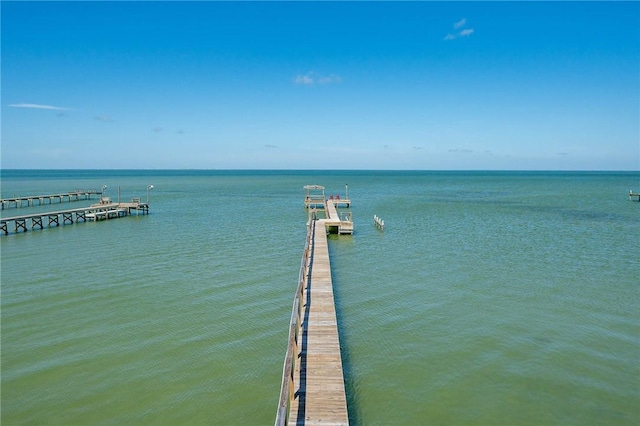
(490, 298)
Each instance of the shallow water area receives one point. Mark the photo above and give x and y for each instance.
(489, 298)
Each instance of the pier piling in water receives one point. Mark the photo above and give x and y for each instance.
(378, 222)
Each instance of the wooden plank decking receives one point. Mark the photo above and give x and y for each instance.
(333, 218)
(320, 397)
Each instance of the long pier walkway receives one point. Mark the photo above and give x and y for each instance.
(313, 391)
(77, 195)
(319, 381)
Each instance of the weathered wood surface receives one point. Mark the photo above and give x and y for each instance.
(333, 219)
(320, 397)
(332, 212)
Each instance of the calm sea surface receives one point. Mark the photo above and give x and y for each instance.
(491, 298)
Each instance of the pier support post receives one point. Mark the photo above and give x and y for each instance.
(67, 217)
(36, 221)
(21, 224)
(53, 218)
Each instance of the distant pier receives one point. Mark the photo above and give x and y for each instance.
(633, 195)
(95, 212)
(30, 200)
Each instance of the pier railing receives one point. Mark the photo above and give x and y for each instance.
(288, 385)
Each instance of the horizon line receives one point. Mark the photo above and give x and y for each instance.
(320, 170)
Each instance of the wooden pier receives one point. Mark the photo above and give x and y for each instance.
(101, 211)
(30, 200)
(313, 391)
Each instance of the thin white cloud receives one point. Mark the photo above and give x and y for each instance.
(311, 78)
(463, 32)
(39, 106)
(461, 23)
(466, 32)
(103, 118)
(304, 79)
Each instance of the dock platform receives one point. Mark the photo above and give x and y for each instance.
(336, 222)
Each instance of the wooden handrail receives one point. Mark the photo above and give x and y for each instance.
(286, 389)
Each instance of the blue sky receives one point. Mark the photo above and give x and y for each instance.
(321, 85)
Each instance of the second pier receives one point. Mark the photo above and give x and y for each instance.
(30, 200)
(103, 210)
